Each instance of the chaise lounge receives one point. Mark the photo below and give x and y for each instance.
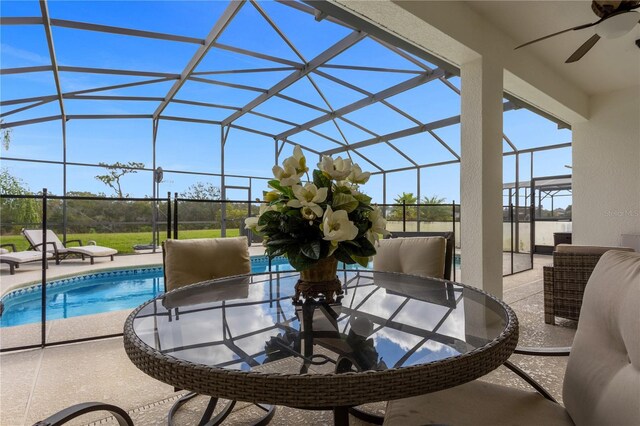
(15, 258)
(61, 251)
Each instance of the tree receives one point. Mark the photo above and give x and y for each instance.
(16, 212)
(6, 136)
(406, 198)
(115, 171)
(435, 213)
(198, 215)
(202, 191)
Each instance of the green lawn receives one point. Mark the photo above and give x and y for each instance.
(123, 241)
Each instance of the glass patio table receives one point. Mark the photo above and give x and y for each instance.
(390, 336)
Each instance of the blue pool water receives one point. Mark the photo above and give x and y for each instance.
(96, 293)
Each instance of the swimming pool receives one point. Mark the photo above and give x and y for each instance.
(97, 293)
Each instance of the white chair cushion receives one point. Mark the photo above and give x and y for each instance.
(423, 256)
(96, 251)
(24, 256)
(35, 237)
(477, 403)
(191, 261)
(602, 382)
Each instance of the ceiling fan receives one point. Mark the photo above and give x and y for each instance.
(617, 18)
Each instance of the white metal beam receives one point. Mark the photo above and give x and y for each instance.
(218, 28)
(44, 9)
(323, 57)
(391, 91)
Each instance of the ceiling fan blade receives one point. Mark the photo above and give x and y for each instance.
(579, 27)
(582, 50)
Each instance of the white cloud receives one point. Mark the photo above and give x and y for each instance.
(31, 57)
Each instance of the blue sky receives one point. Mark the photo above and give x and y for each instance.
(196, 147)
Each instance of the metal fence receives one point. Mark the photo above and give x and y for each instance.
(141, 224)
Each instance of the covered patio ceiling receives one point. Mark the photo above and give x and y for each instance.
(326, 90)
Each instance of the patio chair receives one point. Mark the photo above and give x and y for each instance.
(78, 410)
(15, 258)
(565, 281)
(192, 261)
(61, 251)
(423, 256)
(601, 383)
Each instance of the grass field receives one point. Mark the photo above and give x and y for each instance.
(124, 241)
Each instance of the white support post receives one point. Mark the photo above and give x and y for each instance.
(481, 174)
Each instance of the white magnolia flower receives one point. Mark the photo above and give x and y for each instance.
(337, 169)
(378, 225)
(308, 196)
(298, 160)
(251, 223)
(337, 227)
(309, 214)
(288, 175)
(358, 176)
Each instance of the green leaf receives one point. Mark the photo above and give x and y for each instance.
(361, 247)
(362, 261)
(269, 217)
(363, 199)
(311, 250)
(344, 202)
(343, 256)
(276, 243)
(300, 262)
(351, 243)
(275, 251)
(275, 184)
(368, 249)
(320, 180)
(342, 190)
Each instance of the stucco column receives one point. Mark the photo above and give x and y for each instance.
(481, 175)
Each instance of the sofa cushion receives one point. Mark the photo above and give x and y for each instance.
(424, 256)
(602, 382)
(477, 403)
(191, 261)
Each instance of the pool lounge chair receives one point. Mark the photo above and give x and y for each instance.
(60, 251)
(14, 258)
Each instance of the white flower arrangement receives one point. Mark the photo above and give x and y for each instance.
(327, 216)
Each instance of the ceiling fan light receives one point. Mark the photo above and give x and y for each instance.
(617, 25)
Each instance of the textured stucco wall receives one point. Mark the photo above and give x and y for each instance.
(606, 170)
(481, 173)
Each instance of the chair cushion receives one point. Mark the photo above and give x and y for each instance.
(35, 237)
(23, 256)
(602, 381)
(191, 261)
(477, 403)
(575, 249)
(96, 251)
(424, 256)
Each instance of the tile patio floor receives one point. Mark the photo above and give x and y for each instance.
(37, 383)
